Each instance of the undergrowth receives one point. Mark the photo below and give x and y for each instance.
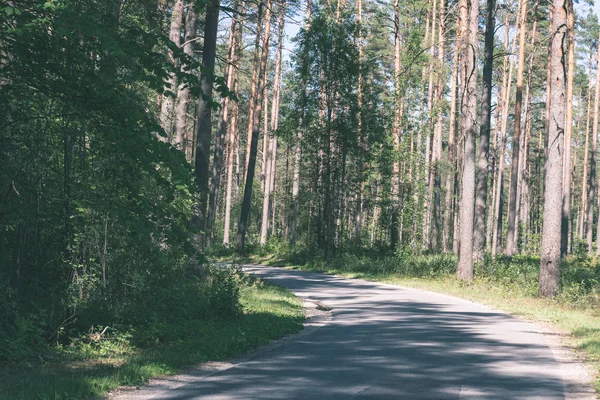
(244, 314)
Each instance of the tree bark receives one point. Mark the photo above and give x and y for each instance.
(245, 213)
(233, 142)
(484, 135)
(514, 171)
(592, 180)
(359, 130)
(220, 142)
(254, 87)
(506, 86)
(469, 53)
(450, 178)
(166, 107)
(397, 127)
(566, 190)
(204, 122)
(272, 151)
(293, 220)
(183, 92)
(586, 153)
(551, 232)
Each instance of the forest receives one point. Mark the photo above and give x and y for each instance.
(140, 140)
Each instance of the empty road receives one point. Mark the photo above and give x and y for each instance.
(386, 342)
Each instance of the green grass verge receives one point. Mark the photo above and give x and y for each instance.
(270, 312)
(579, 326)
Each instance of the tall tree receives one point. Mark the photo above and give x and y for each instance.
(220, 139)
(166, 107)
(246, 203)
(484, 134)
(566, 190)
(516, 147)
(593, 161)
(549, 280)
(180, 138)
(293, 220)
(204, 117)
(469, 55)
(272, 149)
(233, 142)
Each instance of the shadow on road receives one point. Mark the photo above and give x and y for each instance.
(386, 342)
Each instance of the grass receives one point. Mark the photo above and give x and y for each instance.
(269, 312)
(509, 285)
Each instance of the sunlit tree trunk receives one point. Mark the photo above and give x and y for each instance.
(253, 91)
(506, 85)
(272, 151)
(586, 153)
(484, 135)
(183, 93)
(397, 126)
(246, 203)
(429, 133)
(359, 129)
(293, 219)
(551, 231)
(450, 178)
(437, 228)
(220, 135)
(469, 53)
(516, 148)
(566, 190)
(592, 178)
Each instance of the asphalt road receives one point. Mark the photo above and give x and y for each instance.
(387, 342)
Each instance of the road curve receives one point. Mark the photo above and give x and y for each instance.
(388, 342)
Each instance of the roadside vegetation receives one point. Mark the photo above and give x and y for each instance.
(229, 314)
(505, 283)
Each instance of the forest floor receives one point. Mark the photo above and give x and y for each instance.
(270, 312)
(576, 329)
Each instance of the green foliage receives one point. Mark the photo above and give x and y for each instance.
(95, 211)
(104, 358)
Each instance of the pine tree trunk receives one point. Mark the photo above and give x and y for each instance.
(272, 150)
(566, 190)
(253, 91)
(551, 231)
(484, 135)
(592, 180)
(397, 126)
(436, 237)
(506, 85)
(523, 196)
(166, 107)
(359, 130)
(233, 142)
(593, 196)
(428, 141)
(183, 92)
(220, 136)
(514, 171)
(245, 213)
(469, 53)
(293, 219)
(204, 117)
(586, 153)
(450, 178)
